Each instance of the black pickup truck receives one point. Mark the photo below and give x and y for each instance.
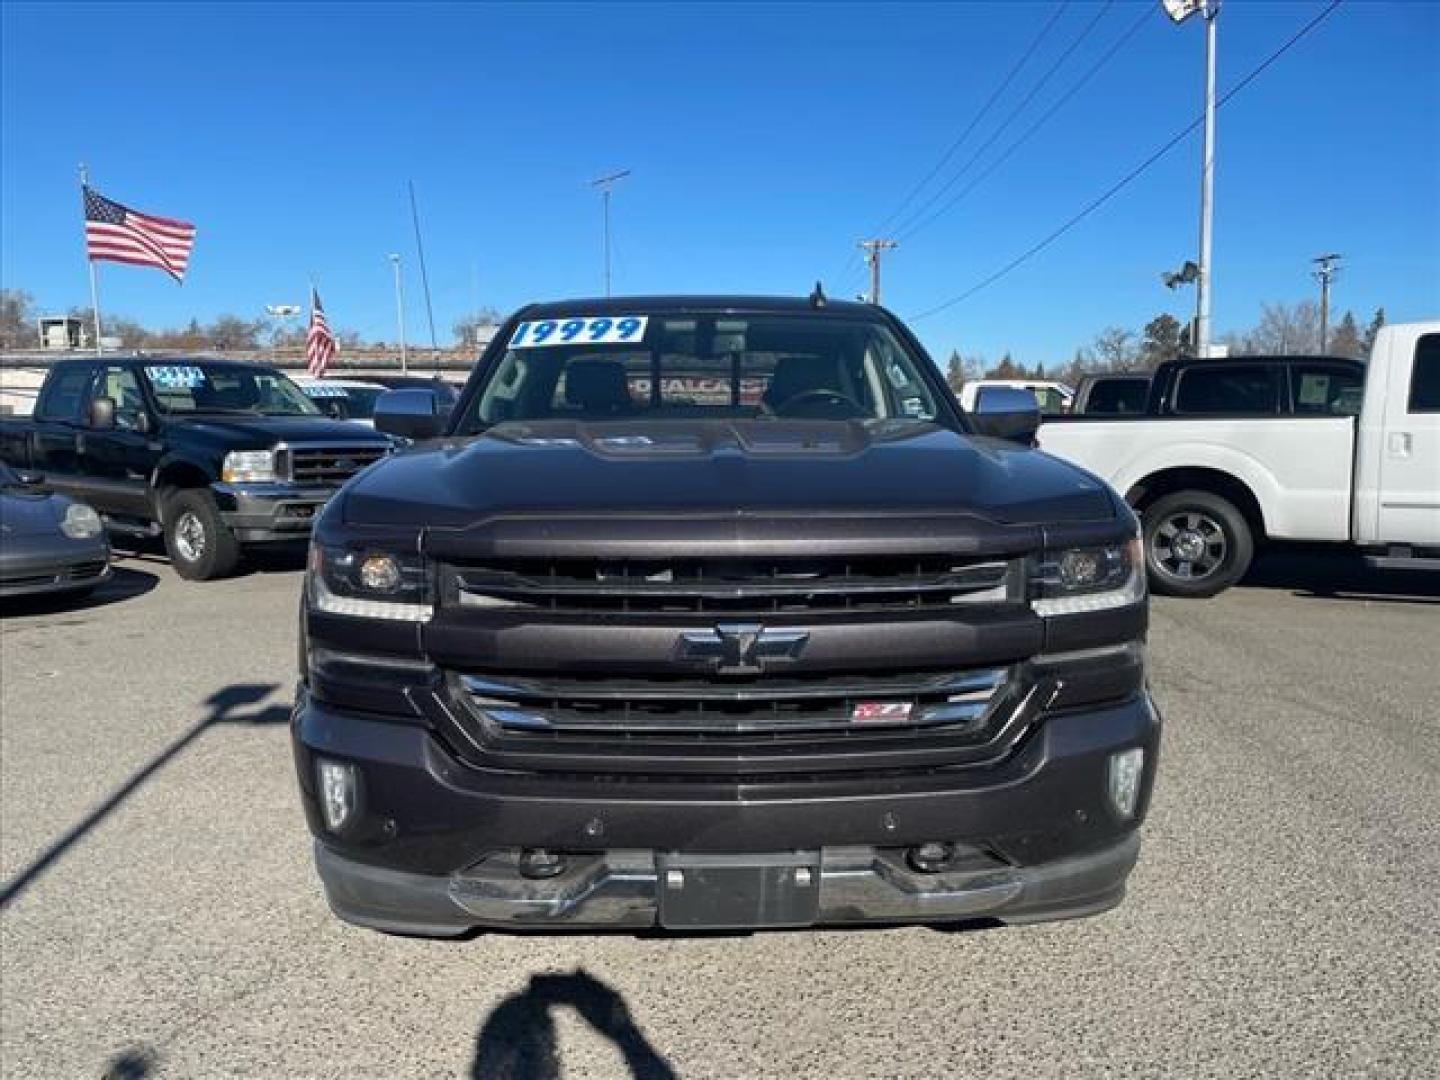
(718, 612)
(216, 454)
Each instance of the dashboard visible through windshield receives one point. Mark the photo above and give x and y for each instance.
(687, 366)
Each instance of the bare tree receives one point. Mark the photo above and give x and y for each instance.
(17, 324)
(1285, 330)
(467, 327)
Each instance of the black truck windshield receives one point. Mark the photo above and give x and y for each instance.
(702, 366)
(226, 388)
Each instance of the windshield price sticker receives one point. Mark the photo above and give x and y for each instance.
(322, 391)
(176, 377)
(603, 330)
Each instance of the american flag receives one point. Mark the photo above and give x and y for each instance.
(116, 233)
(319, 342)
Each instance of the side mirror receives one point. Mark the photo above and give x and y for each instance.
(142, 422)
(411, 413)
(1007, 412)
(102, 413)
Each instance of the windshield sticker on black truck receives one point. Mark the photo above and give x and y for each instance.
(601, 330)
(175, 376)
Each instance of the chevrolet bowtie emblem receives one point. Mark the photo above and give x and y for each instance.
(741, 648)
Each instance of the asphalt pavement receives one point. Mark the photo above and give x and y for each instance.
(159, 915)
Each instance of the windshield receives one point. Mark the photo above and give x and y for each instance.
(360, 401)
(226, 388)
(702, 366)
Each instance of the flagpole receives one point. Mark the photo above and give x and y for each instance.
(94, 280)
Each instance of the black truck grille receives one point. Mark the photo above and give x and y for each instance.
(329, 465)
(793, 726)
(732, 586)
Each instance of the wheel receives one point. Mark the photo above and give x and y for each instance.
(200, 545)
(1196, 544)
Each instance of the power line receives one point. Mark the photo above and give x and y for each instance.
(1145, 15)
(1040, 84)
(974, 122)
(1124, 181)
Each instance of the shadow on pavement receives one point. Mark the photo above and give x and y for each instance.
(279, 558)
(124, 584)
(517, 1041)
(224, 708)
(135, 1063)
(1339, 575)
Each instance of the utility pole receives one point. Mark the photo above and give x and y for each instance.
(1179, 11)
(400, 312)
(605, 183)
(1327, 268)
(873, 250)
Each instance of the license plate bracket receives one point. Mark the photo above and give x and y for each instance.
(737, 892)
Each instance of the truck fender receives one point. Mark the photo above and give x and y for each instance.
(1224, 466)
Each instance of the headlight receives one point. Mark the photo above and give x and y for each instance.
(370, 584)
(80, 522)
(1078, 580)
(248, 467)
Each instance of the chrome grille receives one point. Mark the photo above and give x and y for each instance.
(330, 465)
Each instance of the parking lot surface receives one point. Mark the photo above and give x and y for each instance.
(161, 918)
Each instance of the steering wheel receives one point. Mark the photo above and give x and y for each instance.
(819, 400)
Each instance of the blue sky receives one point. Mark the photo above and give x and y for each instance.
(764, 140)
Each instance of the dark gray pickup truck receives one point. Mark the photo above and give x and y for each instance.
(215, 454)
(718, 613)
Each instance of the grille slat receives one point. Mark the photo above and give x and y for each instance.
(733, 585)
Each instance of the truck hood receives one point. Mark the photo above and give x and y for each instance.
(264, 431)
(708, 467)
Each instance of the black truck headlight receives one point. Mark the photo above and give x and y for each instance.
(370, 584)
(1077, 580)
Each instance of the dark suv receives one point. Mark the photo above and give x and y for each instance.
(718, 612)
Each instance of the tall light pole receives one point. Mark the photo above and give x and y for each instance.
(1179, 11)
(1326, 269)
(400, 311)
(605, 183)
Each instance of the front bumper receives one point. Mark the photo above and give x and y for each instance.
(38, 565)
(432, 847)
(261, 513)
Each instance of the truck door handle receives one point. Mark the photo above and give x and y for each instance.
(1399, 444)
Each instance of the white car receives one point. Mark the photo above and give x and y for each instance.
(1328, 468)
(343, 399)
(1053, 397)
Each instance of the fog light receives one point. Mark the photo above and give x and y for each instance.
(541, 863)
(931, 857)
(1126, 769)
(337, 792)
(1080, 569)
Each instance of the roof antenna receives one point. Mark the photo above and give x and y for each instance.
(817, 298)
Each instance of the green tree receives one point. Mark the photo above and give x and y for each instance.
(1368, 343)
(1345, 339)
(1161, 340)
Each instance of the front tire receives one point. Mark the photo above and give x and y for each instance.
(1197, 544)
(201, 546)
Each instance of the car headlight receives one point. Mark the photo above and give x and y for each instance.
(248, 467)
(81, 522)
(1077, 580)
(370, 584)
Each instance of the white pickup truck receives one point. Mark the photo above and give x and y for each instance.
(1234, 452)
